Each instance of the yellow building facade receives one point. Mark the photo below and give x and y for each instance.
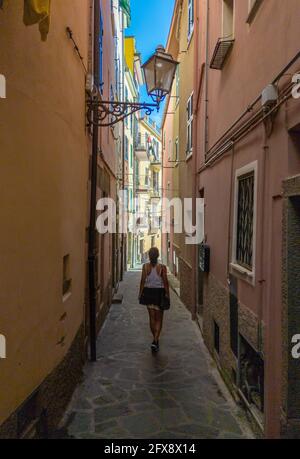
(134, 78)
(148, 186)
(178, 140)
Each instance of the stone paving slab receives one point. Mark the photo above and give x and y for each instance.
(132, 393)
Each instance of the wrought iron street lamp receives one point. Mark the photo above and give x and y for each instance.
(159, 73)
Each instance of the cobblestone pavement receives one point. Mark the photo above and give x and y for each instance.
(131, 393)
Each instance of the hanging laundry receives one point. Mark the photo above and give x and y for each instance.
(38, 12)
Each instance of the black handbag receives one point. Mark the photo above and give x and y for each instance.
(142, 299)
(165, 302)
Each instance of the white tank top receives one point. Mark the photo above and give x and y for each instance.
(154, 280)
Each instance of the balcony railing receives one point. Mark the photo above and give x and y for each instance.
(155, 162)
(142, 185)
(155, 194)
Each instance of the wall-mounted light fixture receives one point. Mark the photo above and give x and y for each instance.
(159, 73)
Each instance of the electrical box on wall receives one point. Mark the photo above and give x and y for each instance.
(204, 258)
(269, 96)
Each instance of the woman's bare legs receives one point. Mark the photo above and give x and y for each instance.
(156, 322)
(159, 315)
(152, 321)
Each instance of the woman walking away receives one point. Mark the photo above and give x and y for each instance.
(155, 294)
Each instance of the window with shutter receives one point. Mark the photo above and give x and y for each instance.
(189, 147)
(190, 18)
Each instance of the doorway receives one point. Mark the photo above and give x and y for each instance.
(292, 319)
(200, 278)
(142, 250)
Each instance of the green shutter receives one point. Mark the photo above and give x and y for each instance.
(125, 5)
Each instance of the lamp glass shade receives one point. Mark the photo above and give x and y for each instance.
(159, 73)
(149, 72)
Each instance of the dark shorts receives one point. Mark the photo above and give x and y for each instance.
(152, 296)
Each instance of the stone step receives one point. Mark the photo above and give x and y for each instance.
(117, 298)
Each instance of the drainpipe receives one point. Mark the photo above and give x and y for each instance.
(229, 229)
(206, 80)
(93, 199)
(195, 175)
(123, 148)
(134, 193)
(123, 188)
(261, 273)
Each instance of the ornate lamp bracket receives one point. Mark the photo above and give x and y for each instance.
(108, 113)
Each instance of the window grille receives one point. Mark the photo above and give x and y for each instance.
(244, 248)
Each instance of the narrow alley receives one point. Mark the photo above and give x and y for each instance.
(160, 132)
(132, 393)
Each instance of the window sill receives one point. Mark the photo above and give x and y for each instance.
(253, 11)
(190, 37)
(188, 156)
(66, 296)
(242, 273)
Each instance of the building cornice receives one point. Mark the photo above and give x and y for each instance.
(148, 127)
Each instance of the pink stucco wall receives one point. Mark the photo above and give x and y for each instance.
(168, 178)
(261, 50)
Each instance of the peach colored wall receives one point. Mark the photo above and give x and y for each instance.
(169, 134)
(170, 131)
(43, 176)
(261, 50)
(107, 144)
(181, 177)
(186, 87)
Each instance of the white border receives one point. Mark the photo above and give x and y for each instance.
(190, 34)
(233, 20)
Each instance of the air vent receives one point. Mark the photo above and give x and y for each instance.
(269, 96)
(221, 52)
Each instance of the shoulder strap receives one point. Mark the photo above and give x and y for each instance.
(161, 269)
(163, 274)
(146, 267)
